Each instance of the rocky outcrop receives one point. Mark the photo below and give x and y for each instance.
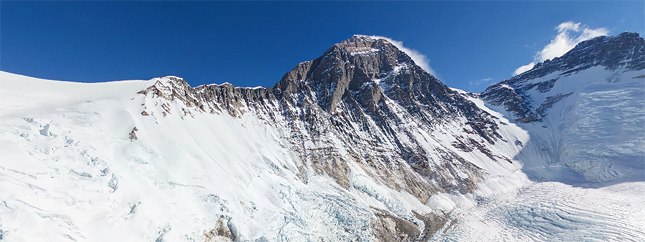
(389, 228)
(222, 231)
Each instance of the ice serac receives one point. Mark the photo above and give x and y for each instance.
(364, 110)
(584, 111)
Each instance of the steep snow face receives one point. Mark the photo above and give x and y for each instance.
(586, 121)
(591, 130)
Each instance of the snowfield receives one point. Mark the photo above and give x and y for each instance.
(80, 162)
(552, 211)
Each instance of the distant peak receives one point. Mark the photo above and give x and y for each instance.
(166, 86)
(626, 50)
(165, 79)
(625, 38)
(169, 81)
(361, 36)
(373, 44)
(629, 35)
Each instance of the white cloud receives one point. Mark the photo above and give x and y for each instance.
(482, 81)
(523, 68)
(569, 35)
(420, 59)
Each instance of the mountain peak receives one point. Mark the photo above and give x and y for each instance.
(347, 65)
(369, 45)
(629, 35)
(618, 46)
(167, 86)
(363, 39)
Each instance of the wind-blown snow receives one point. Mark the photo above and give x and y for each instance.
(420, 59)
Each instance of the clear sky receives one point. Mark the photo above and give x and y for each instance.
(469, 44)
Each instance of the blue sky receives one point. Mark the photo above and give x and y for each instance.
(469, 45)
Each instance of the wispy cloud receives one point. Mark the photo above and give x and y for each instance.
(483, 81)
(524, 68)
(420, 59)
(569, 35)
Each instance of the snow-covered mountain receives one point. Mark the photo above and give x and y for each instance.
(360, 144)
(585, 112)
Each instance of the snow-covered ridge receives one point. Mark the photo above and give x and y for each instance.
(22, 93)
(585, 112)
(626, 50)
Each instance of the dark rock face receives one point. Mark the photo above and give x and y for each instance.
(346, 66)
(626, 51)
(366, 102)
(387, 227)
(363, 73)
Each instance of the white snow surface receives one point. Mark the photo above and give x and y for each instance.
(594, 134)
(553, 211)
(69, 172)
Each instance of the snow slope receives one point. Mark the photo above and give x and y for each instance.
(593, 134)
(20, 93)
(553, 211)
(584, 111)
